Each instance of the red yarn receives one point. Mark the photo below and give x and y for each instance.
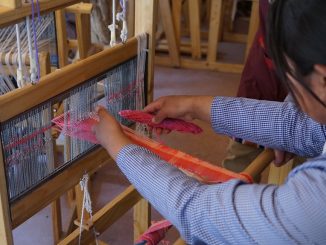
(155, 233)
(202, 170)
(169, 123)
(80, 130)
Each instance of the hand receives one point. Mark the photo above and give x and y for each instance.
(109, 133)
(282, 157)
(181, 107)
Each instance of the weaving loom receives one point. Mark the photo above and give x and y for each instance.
(31, 175)
(34, 176)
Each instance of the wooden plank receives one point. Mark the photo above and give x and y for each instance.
(60, 21)
(42, 196)
(278, 175)
(235, 37)
(107, 216)
(56, 221)
(72, 218)
(215, 24)
(45, 63)
(80, 8)
(185, 48)
(145, 19)
(253, 25)
(194, 21)
(166, 18)
(260, 163)
(11, 16)
(12, 4)
(202, 65)
(176, 13)
(5, 226)
(142, 218)
(57, 82)
(83, 29)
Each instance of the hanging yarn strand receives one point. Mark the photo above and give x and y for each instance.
(122, 16)
(33, 69)
(35, 39)
(20, 77)
(87, 205)
(140, 80)
(113, 26)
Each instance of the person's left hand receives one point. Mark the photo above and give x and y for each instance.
(282, 157)
(109, 133)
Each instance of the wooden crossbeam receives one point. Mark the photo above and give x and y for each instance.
(18, 101)
(11, 16)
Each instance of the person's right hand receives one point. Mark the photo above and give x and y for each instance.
(171, 107)
(181, 107)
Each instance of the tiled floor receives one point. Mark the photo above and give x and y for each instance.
(109, 181)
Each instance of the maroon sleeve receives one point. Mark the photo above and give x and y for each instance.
(259, 79)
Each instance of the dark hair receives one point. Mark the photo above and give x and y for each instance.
(297, 30)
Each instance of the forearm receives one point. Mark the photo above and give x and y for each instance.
(230, 212)
(273, 124)
(201, 108)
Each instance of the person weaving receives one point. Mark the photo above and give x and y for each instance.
(235, 212)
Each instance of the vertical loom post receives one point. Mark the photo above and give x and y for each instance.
(61, 37)
(145, 20)
(253, 25)
(176, 13)
(215, 25)
(170, 33)
(45, 63)
(194, 21)
(83, 28)
(5, 226)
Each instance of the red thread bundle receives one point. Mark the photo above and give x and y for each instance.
(169, 123)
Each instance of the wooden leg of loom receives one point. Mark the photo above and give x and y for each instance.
(194, 21)
(166, 18)
(5, 227)
(176, 13)
(277, 175)
(142, 218)
(215, 25)
(260, 163)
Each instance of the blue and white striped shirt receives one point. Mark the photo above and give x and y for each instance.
(235, 212)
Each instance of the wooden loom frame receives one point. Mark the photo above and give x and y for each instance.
(52, 85)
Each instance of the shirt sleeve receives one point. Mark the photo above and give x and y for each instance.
(278, 125)
(231, 212)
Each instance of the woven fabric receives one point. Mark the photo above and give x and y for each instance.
(80, 130)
